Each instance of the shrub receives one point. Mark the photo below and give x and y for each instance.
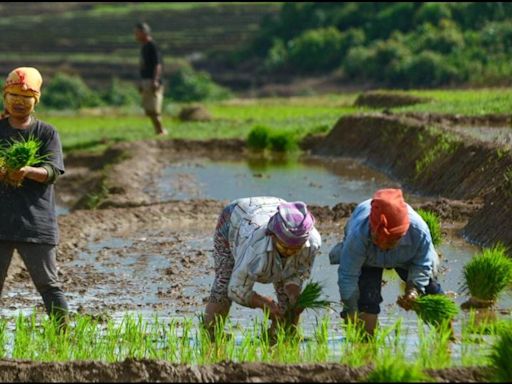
(258, 138)
(277, 56)
(358, 63)
(188, 85)
(69, 92)
(434, 225)
(433, 13)
(429, 69)
(121, 93)
(488, 273)
(316, 49)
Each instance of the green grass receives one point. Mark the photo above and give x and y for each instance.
(232, 119)
(295, 116)
(488, 273)
(475, 102)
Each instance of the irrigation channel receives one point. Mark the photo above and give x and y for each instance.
(168, 271)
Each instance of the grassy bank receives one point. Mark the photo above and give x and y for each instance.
(299, 116)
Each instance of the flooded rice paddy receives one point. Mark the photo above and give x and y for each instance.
(169, 273)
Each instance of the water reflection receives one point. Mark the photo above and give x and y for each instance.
(315, 180)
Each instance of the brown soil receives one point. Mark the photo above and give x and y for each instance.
(159, 371)
(387, 99)
(466, 193)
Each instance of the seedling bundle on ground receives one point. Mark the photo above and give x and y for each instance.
(486, 276)
(19, 154)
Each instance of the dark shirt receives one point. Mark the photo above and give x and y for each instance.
(27, 213)
(150, 57)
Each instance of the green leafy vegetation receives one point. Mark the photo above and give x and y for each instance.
(397, 371)
(488, 273)
(434, 225)
(394, 44)
(258, 138)
(187, 85)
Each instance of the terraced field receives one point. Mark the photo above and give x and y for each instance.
(96, 39)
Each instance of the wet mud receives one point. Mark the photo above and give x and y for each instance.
(128, 220)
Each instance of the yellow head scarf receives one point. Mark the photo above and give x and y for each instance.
(26, 81)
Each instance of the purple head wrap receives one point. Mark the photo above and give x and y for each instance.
(292, 223)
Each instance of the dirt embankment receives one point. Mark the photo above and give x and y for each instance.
(159, 371)
(433, 160)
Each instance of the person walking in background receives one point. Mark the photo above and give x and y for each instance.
(383, 232)
(28, 221)
(151, 86)
(265, 240)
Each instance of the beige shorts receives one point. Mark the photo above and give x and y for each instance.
(152, 99)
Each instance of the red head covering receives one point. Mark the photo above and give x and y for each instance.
(389, 219)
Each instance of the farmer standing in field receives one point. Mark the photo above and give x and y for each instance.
(151, 86)
(265, 240)
(383, 232)
(28, 221)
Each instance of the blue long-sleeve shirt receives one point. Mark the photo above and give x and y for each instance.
(414, 252)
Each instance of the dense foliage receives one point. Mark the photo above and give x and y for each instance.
(397, 44)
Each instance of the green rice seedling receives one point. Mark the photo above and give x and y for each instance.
(435, 309)
(3, 338)
(434, 225)
(434, 346)
(19, 154)
(396, 370)
(500, 356)
(486, 276)
(258, 138)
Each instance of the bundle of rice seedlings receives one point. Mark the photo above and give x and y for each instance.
(486, 276)
(20, 154)
(434, 225)
(435, 309)
(500, 356)
(309, 298)
(258, 138)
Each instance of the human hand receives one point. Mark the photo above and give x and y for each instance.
(17, 176)
(275, 311)
(407, 300)
(155, 84)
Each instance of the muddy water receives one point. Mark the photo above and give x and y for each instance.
(314, 180)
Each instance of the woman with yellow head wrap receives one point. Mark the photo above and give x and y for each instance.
(22, 90)
(28, 221)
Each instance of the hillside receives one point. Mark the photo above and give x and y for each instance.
(96, 40)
